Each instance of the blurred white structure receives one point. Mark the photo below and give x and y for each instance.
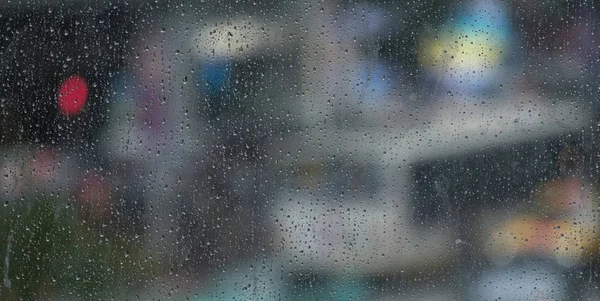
(374, 231)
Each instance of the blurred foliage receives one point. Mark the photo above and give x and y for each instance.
(48, 248)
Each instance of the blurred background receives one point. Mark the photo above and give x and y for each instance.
(299, 150)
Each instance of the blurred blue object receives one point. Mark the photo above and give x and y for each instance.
(469, 55)
(214, 77)
(374, 83)
(487, 18)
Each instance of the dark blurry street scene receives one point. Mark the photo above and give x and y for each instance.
(300, 150)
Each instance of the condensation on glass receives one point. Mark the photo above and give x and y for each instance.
(299, 150)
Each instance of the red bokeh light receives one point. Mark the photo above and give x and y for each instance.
(72, 95)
